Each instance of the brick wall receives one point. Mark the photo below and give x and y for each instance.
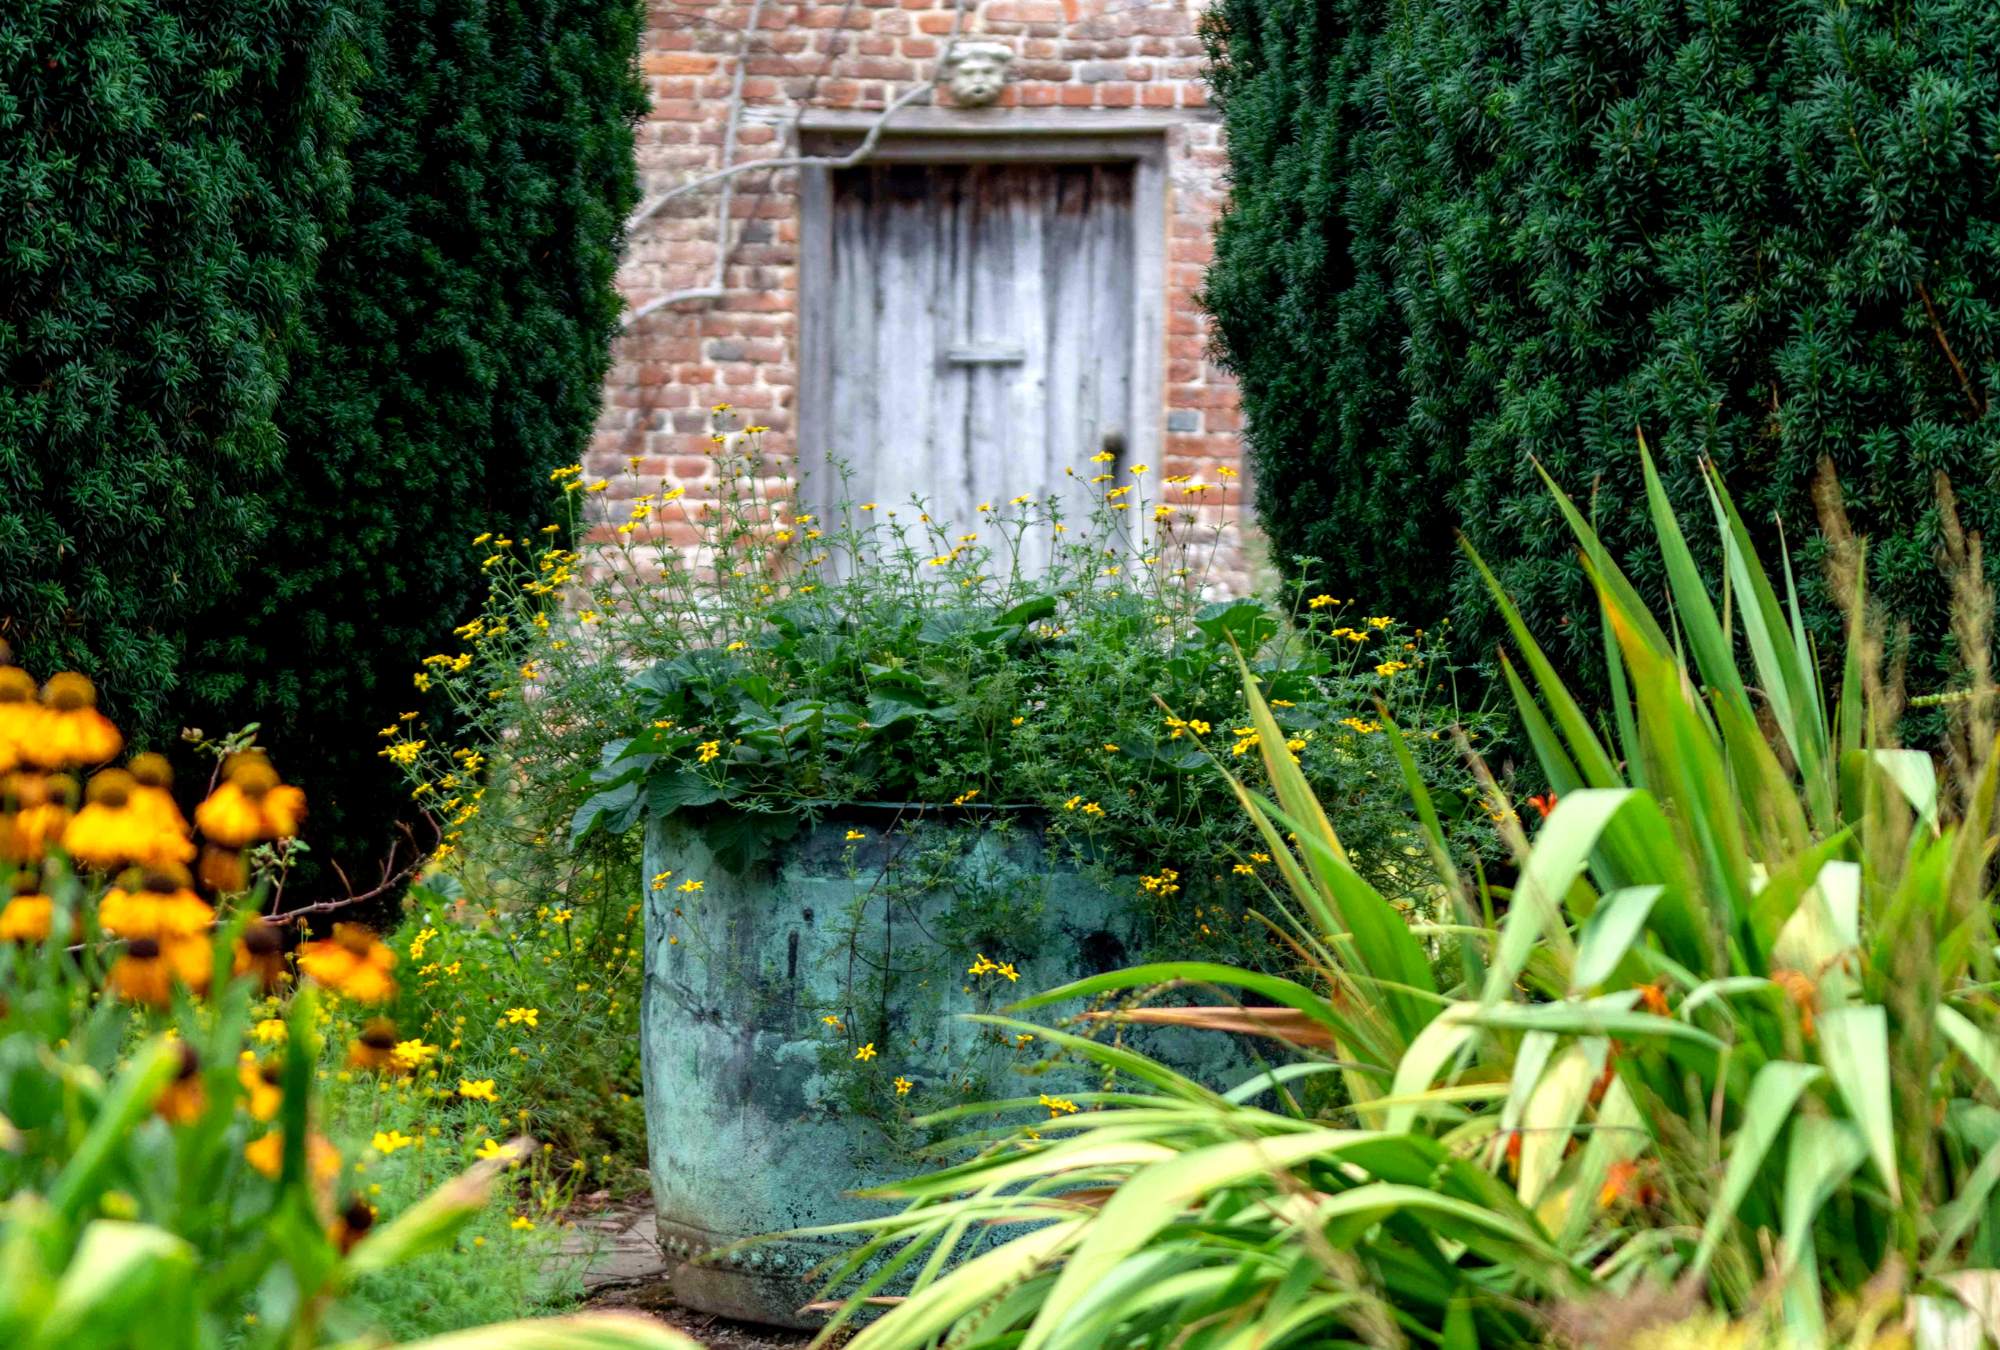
(1103, 62)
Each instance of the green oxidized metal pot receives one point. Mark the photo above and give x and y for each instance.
(782, 1004)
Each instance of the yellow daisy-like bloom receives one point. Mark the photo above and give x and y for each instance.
(388, 1141)
(161, 908)
(866, 1052)
(903, 1086)
(261, 1081)
(490, 1149)
(352, 961)
(71, 732)
(409, 1056)
(27, 917)
(481, 1091)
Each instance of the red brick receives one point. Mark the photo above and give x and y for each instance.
(1077, 96)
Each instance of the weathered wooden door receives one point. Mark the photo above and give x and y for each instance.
(980, 333)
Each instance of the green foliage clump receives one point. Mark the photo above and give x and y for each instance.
(1730, 1041)
(167, 175)
(453, 349)
(1469, 239)
(882, 656)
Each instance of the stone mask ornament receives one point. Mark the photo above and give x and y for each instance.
(976, 72)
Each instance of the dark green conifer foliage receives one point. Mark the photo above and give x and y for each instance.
(455, 345)
(1478, 235)
(166, 174)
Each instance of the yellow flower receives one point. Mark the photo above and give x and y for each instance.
(261, 1085)
(1057, 1105)
(690, 887)
(660, 881)
(521, 1222)
(481, 1091)
(389, 1142)
(1092, 809)
(1007, 969)
(412, 1055)
(1321, 602)
(530, 1017)
(866, 1052)
(1072, 803)
(833, 1022)
(490, 1149)
(903, 1086)
(853, 835)
(1244, 870)
(27, 918)
(709, 750)
(270, 1031)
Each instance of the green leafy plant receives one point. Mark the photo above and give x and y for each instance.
(787, 664)
(1733, 1025)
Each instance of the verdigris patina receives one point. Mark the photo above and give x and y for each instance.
(785, 1006)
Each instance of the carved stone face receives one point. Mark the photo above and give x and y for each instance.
(977, 72)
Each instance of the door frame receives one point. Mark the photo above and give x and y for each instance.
(942, 138)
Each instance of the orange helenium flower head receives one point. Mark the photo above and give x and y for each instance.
(28, 914)
(20, 714)
(111, 831)
(71, 732)
(160, 907)
(42, 809)
(250, 805)
(353, 961)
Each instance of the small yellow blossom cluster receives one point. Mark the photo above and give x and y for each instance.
(1193, 725)
(983, 966)
(1079, 804)
(1166, 883)
(1058, 1106)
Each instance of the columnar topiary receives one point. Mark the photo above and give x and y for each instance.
(455, 343)
(1468, 237)
(167, 172)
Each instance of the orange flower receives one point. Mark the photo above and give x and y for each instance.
(351, 1225)
(141, 974)
(1653, 997)
(71, 731)
(1543, 804)
(27, 916)
(267, 1155)
(353, 962)
(251, 805)
(183, 1101)
(261, 1085)
(261, 952)
(153, 795)
(44, 806)
(108, 832)
(375, 1047)
(161, 908)
(149, 967)
(20, 715)
(1799, 987)
(222, 870)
